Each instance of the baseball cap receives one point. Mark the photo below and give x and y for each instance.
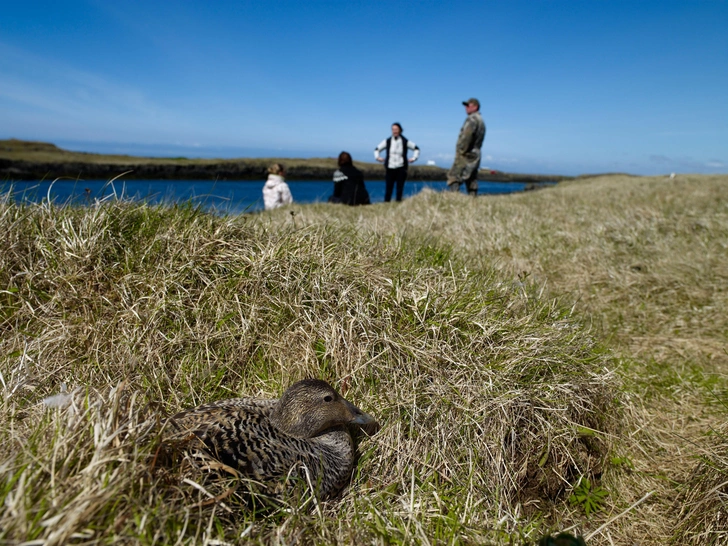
(476, 102)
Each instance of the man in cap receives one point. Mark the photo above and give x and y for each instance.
(464, 169)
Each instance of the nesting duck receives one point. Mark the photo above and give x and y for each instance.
(306, 430)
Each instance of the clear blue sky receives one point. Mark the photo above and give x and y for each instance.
(565, 87)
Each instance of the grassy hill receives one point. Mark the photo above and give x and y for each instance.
(540, 361)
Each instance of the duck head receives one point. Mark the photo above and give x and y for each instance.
(309, 407)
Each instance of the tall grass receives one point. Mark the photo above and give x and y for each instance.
(492, 397)
(645, 260)
(515, 349)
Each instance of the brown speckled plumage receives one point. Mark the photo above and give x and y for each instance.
(266, 439)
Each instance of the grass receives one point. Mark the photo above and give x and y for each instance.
(515, 348)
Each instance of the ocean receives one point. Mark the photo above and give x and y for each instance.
(225, 197)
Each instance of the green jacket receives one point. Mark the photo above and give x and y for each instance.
(471, 135)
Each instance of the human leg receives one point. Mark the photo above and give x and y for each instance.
(455, 174)
(472, 185)
(401, 178)
(388, 185)
(465, 170)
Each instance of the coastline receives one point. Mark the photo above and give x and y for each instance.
(25, 160)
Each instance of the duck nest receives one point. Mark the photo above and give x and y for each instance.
(493, 397)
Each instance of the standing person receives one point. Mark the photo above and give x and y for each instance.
(349, 187)
(276, 192)
(396, 161)
(464, 169)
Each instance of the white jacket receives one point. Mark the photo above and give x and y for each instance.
(276, 192)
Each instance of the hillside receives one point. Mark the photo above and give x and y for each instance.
(539, 361)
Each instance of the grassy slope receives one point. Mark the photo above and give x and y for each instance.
(475, 329)
(646, 260)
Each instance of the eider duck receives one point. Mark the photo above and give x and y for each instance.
(268, 440)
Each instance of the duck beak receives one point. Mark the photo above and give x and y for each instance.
(363, 419)
(366, 421)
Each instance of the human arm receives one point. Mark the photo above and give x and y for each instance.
(415, 149)
(465, 139)
(382, 145)
(285, 197)
(339, 178)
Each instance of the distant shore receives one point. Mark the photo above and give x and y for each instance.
(25, 160)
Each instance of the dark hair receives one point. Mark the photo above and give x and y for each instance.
(344, 159)
(398, 125)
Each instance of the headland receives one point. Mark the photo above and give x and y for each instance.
(27, 160)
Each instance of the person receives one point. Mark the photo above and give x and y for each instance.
(276, 192)
(396, 161)
(464, 169)
(349, 187)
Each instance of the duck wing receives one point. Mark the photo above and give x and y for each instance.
(238, 432)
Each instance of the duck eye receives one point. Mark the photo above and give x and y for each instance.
(328, 398)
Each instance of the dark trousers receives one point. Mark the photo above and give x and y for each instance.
(391, 177)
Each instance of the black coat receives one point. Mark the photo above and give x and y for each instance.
(349, 187)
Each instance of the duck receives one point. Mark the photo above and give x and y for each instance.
(307, 432)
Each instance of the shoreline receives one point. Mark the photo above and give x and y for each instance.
(25, 160)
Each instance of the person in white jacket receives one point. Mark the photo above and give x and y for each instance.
(396, 161)
(276, 192)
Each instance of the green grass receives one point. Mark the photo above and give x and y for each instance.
(514, 348)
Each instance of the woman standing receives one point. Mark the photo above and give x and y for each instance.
(396, 162)
(276, 192)
(349, 187)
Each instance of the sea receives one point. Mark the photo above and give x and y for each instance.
(224, 197)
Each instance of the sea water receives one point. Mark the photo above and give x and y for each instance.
(227, 197)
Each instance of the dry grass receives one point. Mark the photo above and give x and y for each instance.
(485, 335)
(703, 502)
(646, 259)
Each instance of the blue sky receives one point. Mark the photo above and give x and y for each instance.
(565, 87)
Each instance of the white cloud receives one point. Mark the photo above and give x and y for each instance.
(443, 157)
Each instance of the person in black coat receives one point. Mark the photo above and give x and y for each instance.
(349, 187)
